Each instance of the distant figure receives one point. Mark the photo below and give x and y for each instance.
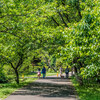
(39, 73)
(44, 71)
(67, 72)
(60, 72)
(57, 73)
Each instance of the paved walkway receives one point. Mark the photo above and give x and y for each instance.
(51, 88)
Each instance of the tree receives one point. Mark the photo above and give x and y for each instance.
(63, 28)
(17, 40)
(84, 41)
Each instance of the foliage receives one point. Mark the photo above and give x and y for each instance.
(3, 77)
(83, 45)
(87, 92)
(66, 29)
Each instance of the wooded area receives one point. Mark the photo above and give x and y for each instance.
(50, 33)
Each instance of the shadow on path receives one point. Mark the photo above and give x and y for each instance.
(48, 88)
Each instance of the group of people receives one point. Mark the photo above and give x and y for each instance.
(66, 72)
(43, 72)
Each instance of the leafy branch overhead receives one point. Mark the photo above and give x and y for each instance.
(68, 30)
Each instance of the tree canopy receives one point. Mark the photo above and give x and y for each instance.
(66, 29)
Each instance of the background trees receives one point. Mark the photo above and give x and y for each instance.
(68, 29)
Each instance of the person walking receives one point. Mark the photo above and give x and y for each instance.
(44, 71)
(60, 71)
(67, 72)
(39, 73)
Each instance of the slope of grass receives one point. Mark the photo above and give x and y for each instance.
(87, 92)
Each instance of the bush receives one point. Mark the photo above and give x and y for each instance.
(3, 78)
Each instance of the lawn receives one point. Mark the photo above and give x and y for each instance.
(87, 92)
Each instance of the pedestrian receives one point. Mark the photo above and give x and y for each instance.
(60, 71)
(67, 72)
(39, 73)
(44, 71)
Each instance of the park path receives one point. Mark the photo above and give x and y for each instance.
(50, 88)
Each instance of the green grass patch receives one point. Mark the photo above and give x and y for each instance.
(50, 74)
(87, 92)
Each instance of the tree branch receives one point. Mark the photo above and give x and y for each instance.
(66, 15)
(12, 65)
(63, 2)
(62, 19)
(20, 62)
(3, 31)
(11, 15)
(7, 31)
(77, 4)
(55, 21)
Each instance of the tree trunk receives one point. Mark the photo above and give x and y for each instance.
(17, 76)
(75, 69)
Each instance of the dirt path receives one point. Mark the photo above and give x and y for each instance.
(51, 88)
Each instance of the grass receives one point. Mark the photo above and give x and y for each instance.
(87, 92)
(50, 74)
(7, 88)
